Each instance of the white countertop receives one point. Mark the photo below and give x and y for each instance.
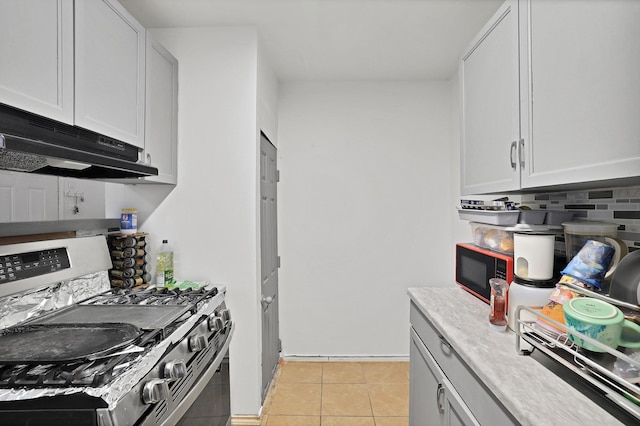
(533, 394)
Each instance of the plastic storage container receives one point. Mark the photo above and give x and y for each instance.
(492, 237)
(532, 217)
(557, 217)
(577, 233)
(164, 266)
(500, 238)
(129, 221)
(503, 217)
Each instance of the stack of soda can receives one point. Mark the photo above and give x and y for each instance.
(130, 260)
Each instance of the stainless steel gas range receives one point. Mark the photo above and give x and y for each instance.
(74, 351)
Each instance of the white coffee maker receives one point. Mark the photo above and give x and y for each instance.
(533, 280)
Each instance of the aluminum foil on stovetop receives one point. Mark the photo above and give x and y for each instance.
(130, 375)
(18, 308)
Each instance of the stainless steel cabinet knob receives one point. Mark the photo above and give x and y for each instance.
(174, 370)
(154, 391)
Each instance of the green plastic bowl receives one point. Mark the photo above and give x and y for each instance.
(602, 322)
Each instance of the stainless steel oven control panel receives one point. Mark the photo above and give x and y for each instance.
(26, 265)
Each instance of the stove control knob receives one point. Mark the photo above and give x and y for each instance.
(174, 370)
(198, 343)
(154, 391)
(225, 314)
(215, 323)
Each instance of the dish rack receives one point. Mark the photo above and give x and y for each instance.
(596, 368)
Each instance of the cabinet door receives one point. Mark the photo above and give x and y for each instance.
(456, 411)
(426, 390)
(432, 398)
(161, 120)
(110, 70)
(28, 197)
(490, 99)
(81, 199)
(583, 88)
(36, 70)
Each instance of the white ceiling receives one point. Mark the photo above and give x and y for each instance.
(339, 39)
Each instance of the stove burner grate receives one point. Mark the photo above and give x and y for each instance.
(155, 296)
(89, 373)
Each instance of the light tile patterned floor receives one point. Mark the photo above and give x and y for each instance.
(351, 393)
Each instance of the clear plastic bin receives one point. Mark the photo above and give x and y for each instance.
(500, 238)
(493, 237)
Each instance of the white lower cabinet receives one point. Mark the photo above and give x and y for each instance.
(433, 400)
(443, 390)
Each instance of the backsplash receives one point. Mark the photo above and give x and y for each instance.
(615, 205)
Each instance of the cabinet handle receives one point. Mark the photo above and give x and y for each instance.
(512, 150)
(444, 341)
(521, 153)
(439, 396)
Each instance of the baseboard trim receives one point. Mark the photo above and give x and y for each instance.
(360, 358)
(245, 420)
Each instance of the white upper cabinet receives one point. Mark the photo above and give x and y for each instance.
(490, 100)
(577, 107)
(110, 71)
(582, 90)
(161, 120)
(28, 197)
(36, 70)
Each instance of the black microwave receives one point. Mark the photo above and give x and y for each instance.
(475, 266)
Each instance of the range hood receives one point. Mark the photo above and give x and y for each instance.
(34, 144)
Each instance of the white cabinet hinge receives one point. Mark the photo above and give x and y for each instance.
(278, 261)
(277, 175)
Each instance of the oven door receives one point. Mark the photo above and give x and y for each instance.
(475, 266)
(208, 399)
(213, 405)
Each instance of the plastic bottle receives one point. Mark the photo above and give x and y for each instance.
(164, 266)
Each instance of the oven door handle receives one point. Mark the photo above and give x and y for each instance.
(202, 382)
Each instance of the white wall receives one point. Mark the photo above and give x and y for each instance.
(210, 217)
(364, 207)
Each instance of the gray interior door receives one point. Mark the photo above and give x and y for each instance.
(269, 262)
